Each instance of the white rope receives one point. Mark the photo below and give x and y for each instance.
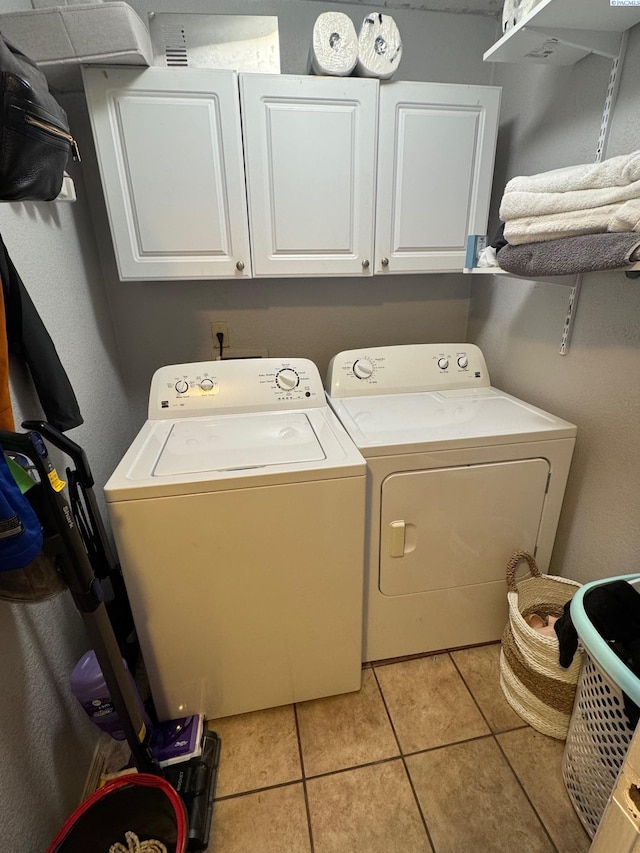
(134, 845)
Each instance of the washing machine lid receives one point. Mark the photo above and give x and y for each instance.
(182, 456)
(432, 420)
(236, 442)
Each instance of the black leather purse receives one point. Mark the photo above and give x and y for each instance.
(35, 142)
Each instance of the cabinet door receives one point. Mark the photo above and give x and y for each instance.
(310, 148)
(436, 150)
(169, 149)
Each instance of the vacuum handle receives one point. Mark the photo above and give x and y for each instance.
(67, 446)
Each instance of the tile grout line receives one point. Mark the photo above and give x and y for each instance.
(502, 752)
(304, 779)
(470, 692)
(524, 791)
(404, 763)
(352, 767)
(249, 791)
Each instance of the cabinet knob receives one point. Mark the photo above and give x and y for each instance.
(384, 262)
(240, 266)
(365, 264)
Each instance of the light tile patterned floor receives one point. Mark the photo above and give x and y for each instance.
(426, 758)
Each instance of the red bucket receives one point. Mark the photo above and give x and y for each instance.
(140, 802)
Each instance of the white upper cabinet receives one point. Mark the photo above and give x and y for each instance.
(310, 155)
(436, 149)
(344, 176)
(169, 149)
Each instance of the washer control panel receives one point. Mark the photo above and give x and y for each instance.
(406, 369)
(237, 385)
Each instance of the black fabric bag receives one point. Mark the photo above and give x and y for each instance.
(35, 142)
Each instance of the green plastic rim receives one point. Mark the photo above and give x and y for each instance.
(614, 668)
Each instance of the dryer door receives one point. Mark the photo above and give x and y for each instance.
(449, 527)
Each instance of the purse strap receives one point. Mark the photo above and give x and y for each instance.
(512, 565)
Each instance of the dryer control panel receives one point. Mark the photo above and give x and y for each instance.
(407, 369)
(238, 385)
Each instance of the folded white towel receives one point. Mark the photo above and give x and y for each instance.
(597, 220)
(614, 172)
(515, 205)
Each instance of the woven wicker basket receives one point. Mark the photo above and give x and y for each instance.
(532, 680)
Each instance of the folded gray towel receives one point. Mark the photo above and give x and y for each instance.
(569, 255)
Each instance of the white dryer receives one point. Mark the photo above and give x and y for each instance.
(460, 475)
(238, 515)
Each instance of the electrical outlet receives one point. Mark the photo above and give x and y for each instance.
(219, 327)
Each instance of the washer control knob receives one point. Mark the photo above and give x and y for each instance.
(181, 386)
(287, 379)
(443, 363)
(362, 369)
(206, 384)
(463, 361)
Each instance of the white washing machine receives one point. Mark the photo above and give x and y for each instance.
(238, 514)
(460, 475)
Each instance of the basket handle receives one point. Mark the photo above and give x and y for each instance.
(512, 565)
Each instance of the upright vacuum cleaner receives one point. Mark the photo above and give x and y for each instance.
(76, 541)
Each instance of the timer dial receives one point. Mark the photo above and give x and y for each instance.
(287, 379)
(362, 369)
(206, 384)
(463, 361)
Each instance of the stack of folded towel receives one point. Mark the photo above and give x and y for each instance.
(574, 202)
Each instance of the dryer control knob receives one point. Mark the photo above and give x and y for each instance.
(206, 384)
(463, 361)
(181, 386)
(287, 379)
(362, 369)
(443, 363)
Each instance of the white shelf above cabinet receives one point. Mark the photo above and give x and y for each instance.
(560, 32)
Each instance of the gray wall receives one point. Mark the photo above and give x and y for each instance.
(112, 336)
(551, 118)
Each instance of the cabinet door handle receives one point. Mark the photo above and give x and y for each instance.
(239, 266)
(365, 264)
(384, 262)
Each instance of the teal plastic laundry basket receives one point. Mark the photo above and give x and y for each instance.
(599, 732)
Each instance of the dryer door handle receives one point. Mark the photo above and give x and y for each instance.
(396, 538)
